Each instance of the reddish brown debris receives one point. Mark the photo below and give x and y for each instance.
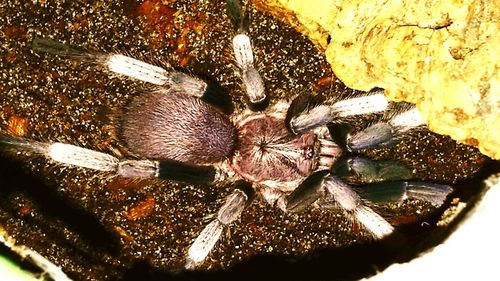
(79, 22)
(142, 209)
(119, 184)
(17, 126)
(404, 219)
(11, 57)
(324, 82)
(471, 141)
(15, 31)
(25, 209)
(159, 18)
(171, 27)
(123, 234)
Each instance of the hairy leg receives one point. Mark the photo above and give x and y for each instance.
(322, 185)
(305, 113)
(127, 66)
(388, 181)
(385, 132)
(229, 212)
(243, 53)
(72, 155)
(353, 205)
(362, 170)
(398, 191)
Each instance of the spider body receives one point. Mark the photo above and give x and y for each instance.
(167, 125)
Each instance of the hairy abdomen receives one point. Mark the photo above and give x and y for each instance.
(170, 125)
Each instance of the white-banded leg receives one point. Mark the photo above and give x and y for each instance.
(352, 203)
(386, 181)
(229, 212)
(127, 66)
(327, 190)
(398, 191)
(72, 155)
(304, 114)
(385, 132)
(243, 53)
(363, 170)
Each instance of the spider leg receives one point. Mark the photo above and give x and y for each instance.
(86, 158)
(385, 132)
(353, 204)
(229, 212)
(323, 185)
(310, 190)
(304, 115)
(398, 191)
(388, 183)
(126, 66)
(243, 53)
(363, 170)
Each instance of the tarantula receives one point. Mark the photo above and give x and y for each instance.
(285, 152)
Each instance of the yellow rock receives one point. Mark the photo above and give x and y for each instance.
(442, 55)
